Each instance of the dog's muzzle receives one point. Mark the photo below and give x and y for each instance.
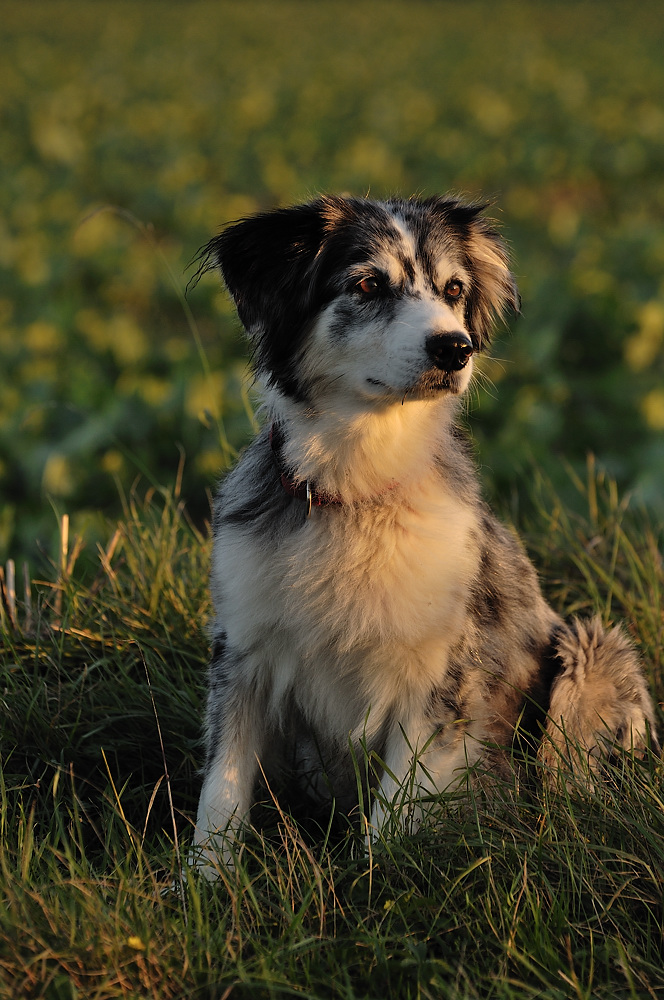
(449, 351)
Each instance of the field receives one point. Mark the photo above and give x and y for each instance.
(130, 133)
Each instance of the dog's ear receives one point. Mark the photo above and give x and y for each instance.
(493, 291)
(268, 262)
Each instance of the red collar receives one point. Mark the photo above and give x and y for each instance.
(301, 489)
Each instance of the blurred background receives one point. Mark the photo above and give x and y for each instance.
(132, 131)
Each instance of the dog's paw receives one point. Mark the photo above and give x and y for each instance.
(212, 858)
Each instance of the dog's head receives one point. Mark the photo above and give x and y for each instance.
(371, 300)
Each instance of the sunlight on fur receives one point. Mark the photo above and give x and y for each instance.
(366, 599)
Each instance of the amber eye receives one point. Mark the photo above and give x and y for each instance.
(453, 290)
(368, 286)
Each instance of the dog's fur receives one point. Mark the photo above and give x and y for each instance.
(365, 596)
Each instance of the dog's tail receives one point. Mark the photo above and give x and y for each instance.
(599, 700)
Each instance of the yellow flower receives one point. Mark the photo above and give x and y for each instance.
(204, 396)
(643, 347)
(652, 407)
(42, 338)
(135, 943)
(57, 477)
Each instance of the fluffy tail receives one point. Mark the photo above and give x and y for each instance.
(599, 700)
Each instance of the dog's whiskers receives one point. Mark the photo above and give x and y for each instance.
(480, 380)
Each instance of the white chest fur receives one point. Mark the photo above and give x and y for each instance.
(355, 607)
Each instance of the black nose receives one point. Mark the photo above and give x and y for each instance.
(449, 351)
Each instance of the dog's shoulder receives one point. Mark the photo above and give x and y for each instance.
(250, 493)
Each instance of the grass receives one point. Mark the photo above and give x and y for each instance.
(102, 678)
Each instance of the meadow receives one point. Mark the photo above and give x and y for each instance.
(129, 134)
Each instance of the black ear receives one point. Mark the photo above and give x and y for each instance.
(268, 258)
(493, 290)
(268, 264)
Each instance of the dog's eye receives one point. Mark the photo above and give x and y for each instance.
(368, 287)
(453, 290)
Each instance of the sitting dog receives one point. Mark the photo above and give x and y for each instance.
(365, 597)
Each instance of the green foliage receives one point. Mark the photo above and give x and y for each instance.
(99, 654)
(533, 896)
(132, 131)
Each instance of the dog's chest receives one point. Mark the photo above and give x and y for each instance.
(352, 580)
(382, 576)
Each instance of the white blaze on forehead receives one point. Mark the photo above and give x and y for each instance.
(407, 235)
(444, 264)
(409, 252)
(400, 247)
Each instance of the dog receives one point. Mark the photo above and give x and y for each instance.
(366, 599)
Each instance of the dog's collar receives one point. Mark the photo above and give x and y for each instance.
(301, 489)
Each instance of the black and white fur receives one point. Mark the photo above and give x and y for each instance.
(394, 612)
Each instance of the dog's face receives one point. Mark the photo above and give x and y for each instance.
(366, 301)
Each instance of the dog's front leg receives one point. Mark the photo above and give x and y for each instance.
(420, 760)
(399, 781)
(236, 728)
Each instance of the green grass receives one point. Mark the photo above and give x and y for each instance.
(534, 896)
